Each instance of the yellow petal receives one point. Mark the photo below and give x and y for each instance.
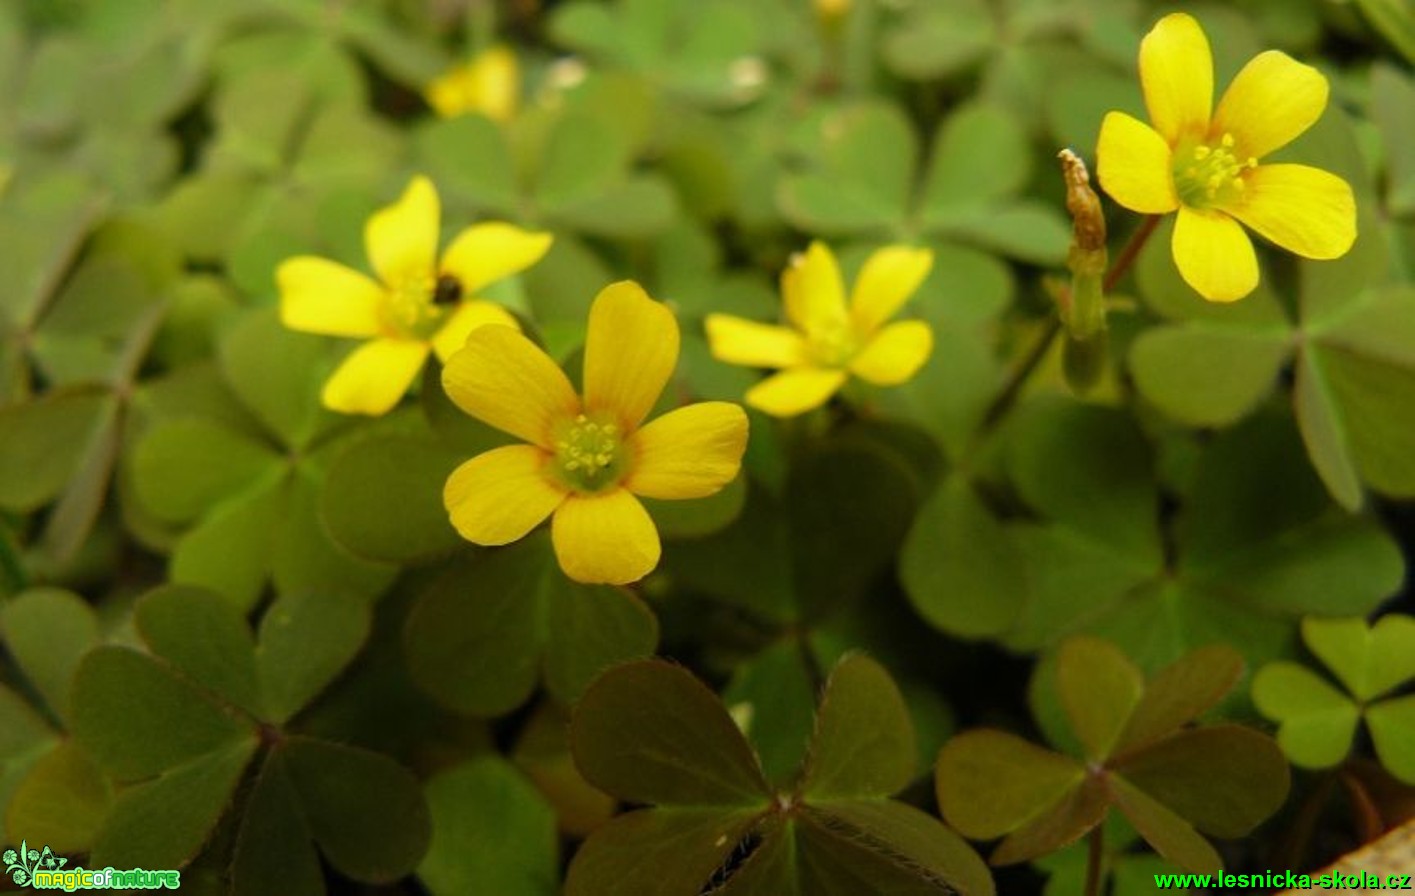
(1177, 75)
(796, 391)
(401, 239)
(1214, 255)
(500, 495)
(890, 276)
(501, 378)
(630, 352)
(691, 452)
(1134, 165)
(1271, 101)
(467, 317)
(813, 290)
(489, 84)
(322, 296)
(605, 539)
(736, 340)
(1304, 210)
(374, 376)
(485, 253)
(895, 353)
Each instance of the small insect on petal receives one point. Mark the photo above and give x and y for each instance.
(448, 290)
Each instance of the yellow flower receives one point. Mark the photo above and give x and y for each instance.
(489, 84)
(827, 342)
(422, 304)
(587, 457)
(1204, 162)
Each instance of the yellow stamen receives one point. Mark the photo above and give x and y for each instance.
(589, 455)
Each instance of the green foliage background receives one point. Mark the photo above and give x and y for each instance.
(242, 639)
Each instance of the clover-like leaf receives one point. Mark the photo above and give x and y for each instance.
(1317, 722)
(1170, 782)
(649, 732)
(486, 632)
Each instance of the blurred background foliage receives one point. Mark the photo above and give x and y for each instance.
(241, 637)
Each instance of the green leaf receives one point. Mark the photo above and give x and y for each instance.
(1170, 835)
(1065, 822)
(468, 157)
(47, 631)
(655, 851)
(121, 699)
(273, 852)
(1394, 22)
(1204, 374)
(61, 801)
(492, 833)
(305, 641)
(366, 812)
(980, 155)
(1100, 689)
(863, 184)
(1223, 779)
(772, 697)
(1392, 92)
(164, 822)
(694, 519)
(45, 441)
(228, 551)
(1370, 661)
(991, 783)
(939, 38)
(205, 638)
(1392, 724)
(960, 566)
(587, 630)
(649, 732)
(483, 635)
(863, 745)
(1181, 692)
(181, 468)
(582, 157)
(907, 837)
(1090, 468)
(382, 499)
(277, 373)
(1316, 721)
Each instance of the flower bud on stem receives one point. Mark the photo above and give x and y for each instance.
(1083, 307)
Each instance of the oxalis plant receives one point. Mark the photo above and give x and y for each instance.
(615, 447)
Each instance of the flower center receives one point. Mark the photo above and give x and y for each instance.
(590, 455)
(418, 303)
(1210, 174)
(834, 344)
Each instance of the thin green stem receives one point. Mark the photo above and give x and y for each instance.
(1005, 399)
(1095, 860)
(1131, 252)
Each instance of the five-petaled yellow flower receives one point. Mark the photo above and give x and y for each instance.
(587, 457)
(490, 84)
(421, 305)
(827, 340)
(1204, 162)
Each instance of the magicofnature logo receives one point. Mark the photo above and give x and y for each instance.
(42, 869)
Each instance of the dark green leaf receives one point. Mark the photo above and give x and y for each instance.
(305, 641)
(366, 812)
(864, 740)
(162, 823)
(649, 732)
(138, 720)
(1223, 779)
(203, 636)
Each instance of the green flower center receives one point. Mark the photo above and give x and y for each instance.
(590, 455)
(418, 304)
(1210, 174)
(833, 345)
